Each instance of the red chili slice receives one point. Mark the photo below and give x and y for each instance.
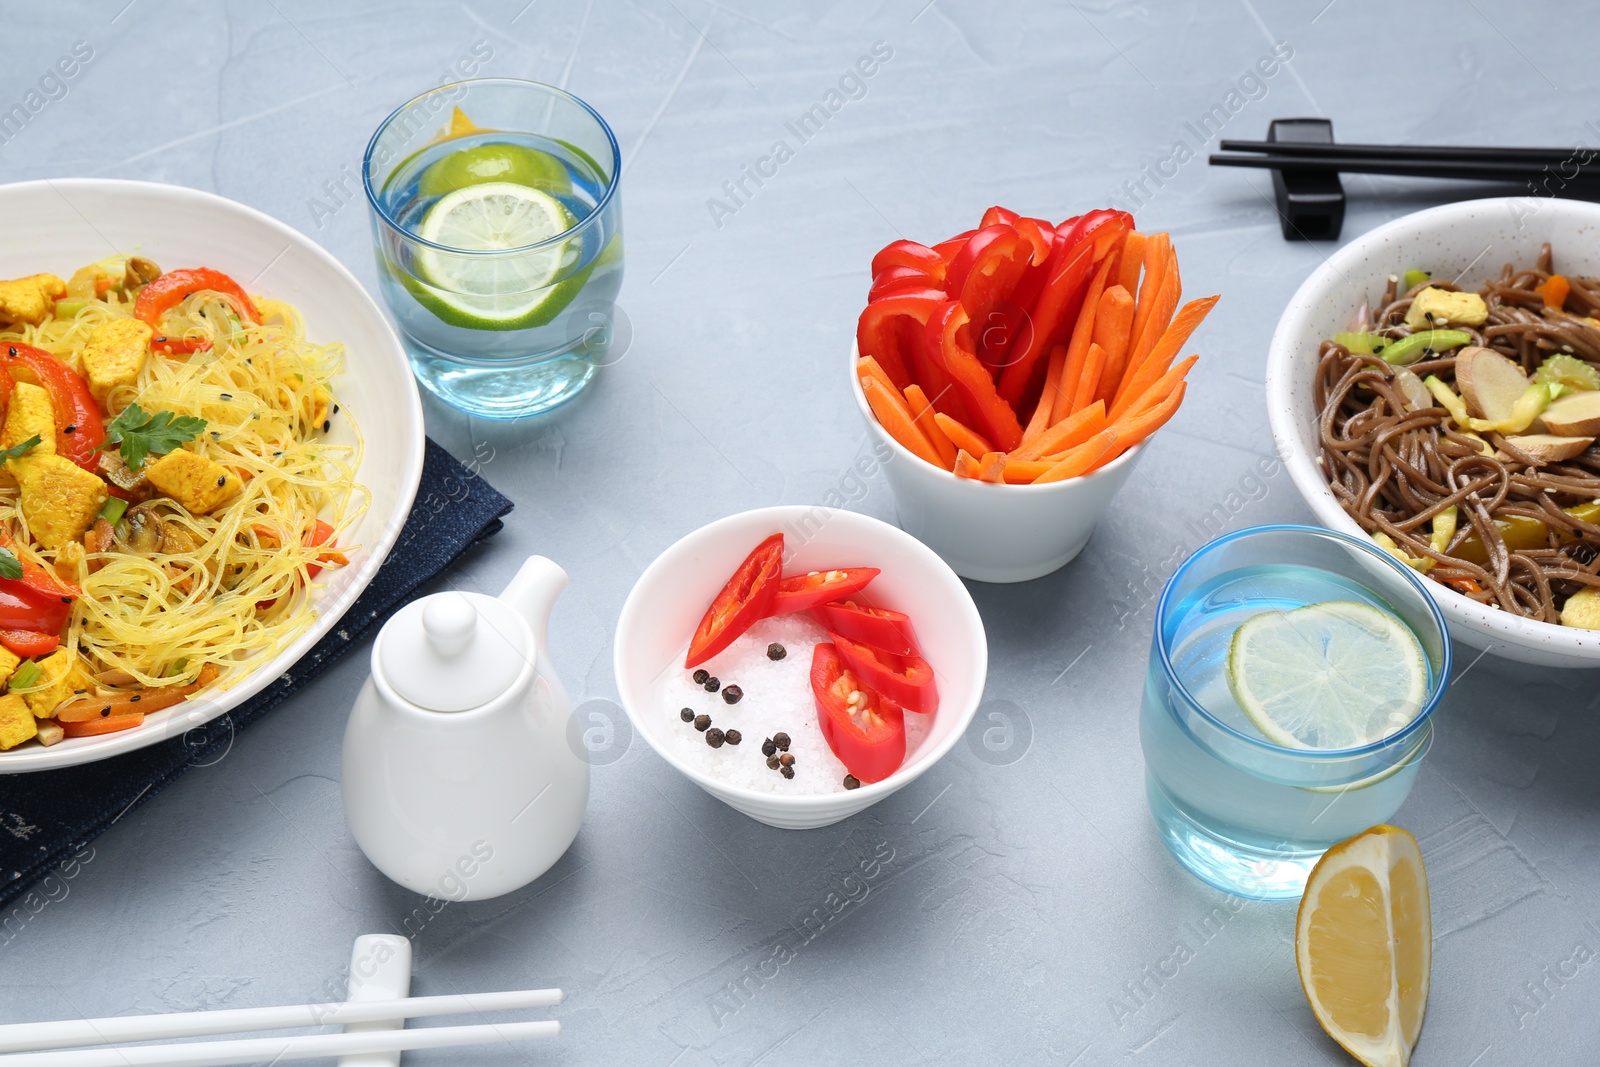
(879, 627)
(746, 599)
(905, 681)
(805, 591)
(868, 737)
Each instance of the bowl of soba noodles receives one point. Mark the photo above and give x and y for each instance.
(1435, 387)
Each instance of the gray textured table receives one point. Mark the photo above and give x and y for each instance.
(1019, 906)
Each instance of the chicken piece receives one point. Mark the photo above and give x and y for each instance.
(69, 558)
(8, 664)
(17, 723)
(1443, 309)
(30, 299)
(61, 676)
(198, 483)
(59, 498)
(30, 413)
(115, 354)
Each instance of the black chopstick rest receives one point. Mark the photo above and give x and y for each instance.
(1310, 199)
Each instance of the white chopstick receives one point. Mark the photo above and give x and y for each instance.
(279, 1049)
(69, 1033)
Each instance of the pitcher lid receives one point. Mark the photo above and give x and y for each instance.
(453, 651)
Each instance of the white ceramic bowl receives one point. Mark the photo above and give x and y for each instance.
(1473, 239)
(61, 224)
(668, 600)
(989, 532)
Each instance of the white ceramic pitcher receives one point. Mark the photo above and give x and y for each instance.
(458, 777)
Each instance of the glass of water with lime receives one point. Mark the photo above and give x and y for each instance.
(1293, 678)
(498, 232)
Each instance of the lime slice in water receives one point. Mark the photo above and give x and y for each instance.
(1339, 674)
(507, 292)
(495, 163)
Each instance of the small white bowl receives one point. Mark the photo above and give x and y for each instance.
(992, 532)
(1472, 239)
(668, 600)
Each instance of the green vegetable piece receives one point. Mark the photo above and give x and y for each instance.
(66, 309)
(1412, 348)
(1371, 344)
(1448, 400)
(26, 674)
(1569, 371)
(22, 448)
(1414, 278)
(10, 565)
(113, 509)
(139, 434)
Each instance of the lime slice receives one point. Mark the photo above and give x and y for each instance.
(1339, 674)
(485, 163)
(504, 292)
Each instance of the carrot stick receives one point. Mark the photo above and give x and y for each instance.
(1160, 358)
(992, 467)
(893, 415)
(1162, 304)
(1090, 379)
(869, 367)
(1158, 390)
(922, 414)
(1133, 428)
(1112, 323)
(964, 439)
(1082, 459)
(1040, 420)
(1157, 257)
(965, 466)
(1078, 347)
(1132, 260)
(1023, 471)
(1072, 430)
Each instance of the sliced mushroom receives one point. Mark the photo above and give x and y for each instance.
(119, 474)
(139, 271)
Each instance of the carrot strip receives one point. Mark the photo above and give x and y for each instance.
(922, 414)
(1158, 390)
(1112, 324)
(965, 466)
(964, 439)
(1082, 459)
(1160, 358)
(869, 367)
(1023, 471)
(1090, 379)
(100, 725)
(1039, 421)
(1157, 258)
(1078, 347)
(992, 467)
(1072, 430)
(1162, 304)
(893, 415)
(1132, 260)
(1133, 428)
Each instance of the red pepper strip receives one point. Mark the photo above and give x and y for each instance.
(805, 591)
(955, 279)
(79, 430)
(321, 534)
(172, 288)
(879, 627)
(948, 250)
(893, 280)
(27, 644)
(1042, 236)
(868, 737)
(904, 681)
(909, 254)
(7, 384)
(986, 294)
(969, 379)
(1105, 227)
(743, 601)
(1053, 316)
(878, 334)
(44, 580)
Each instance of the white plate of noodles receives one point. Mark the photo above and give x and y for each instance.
(262, 446)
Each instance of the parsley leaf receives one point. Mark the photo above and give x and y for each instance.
(17, 451)
(10, 565)
(139, 434)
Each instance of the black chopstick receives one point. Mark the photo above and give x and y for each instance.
(1411, 153)
(1508, 171)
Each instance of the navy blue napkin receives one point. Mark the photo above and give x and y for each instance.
(46, 817)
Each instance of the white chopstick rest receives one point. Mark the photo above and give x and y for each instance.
(380, 969)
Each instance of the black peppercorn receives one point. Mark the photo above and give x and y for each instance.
(714, 737)
(852, 782)
(786, 759)
(788, 772)
(772, 762)
(733, 694)
(776, 651)
(687, 715)
(701, 722)
(700, 676)
(733, 737)
(769, 747)
(712, 684)
(781, 739)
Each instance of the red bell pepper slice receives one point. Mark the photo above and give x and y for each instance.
(879, 627)
(79, 429)
(172, 288)
(805, 591)
(999, 214)
(1104, 227)
(893, 280)
(1042, 236)
(951, 348)
(322, 534)
(746, 599)
(868, 737)
(881, 333)
(909, 254)
(28, 644)
(948, 250)
(905, 681)
(977, 248)
(989, 279)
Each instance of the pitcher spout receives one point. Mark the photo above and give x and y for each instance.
(532, 594)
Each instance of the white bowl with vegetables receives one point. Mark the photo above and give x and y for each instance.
(1453, 417)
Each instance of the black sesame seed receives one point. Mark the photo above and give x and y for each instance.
(772, 762)
(105, 711)
(327, 424)
(712, 685)
(336, 409)
(135, 699)
(687, 715)
(70, 428)
(222, 480)
(733, 737)
(714, 737)
(781, 739)
(227, 396)
(852, 782)
(79, 692)
(787, 759)
(14, 348)
(66, 600)
(733, 694)
(788, 772)
(701, 722)
(776, 651)
(769, 747)
(215, 436)
(700, 676)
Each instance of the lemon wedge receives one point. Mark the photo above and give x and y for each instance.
(1364, 945)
